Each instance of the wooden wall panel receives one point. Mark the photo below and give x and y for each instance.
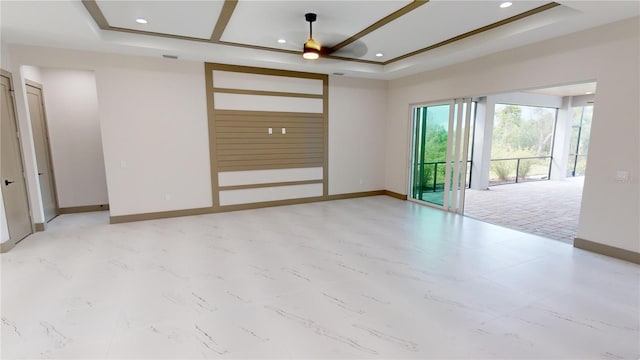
(245, 103)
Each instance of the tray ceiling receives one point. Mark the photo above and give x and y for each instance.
(375, 31)
(382, 38)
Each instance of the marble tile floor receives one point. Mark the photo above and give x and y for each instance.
(363, 278)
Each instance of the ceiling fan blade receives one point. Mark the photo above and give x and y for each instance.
(354, 50)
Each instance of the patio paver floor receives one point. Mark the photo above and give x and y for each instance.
(546, 208)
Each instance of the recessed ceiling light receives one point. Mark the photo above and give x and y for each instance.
(282, 41)
(506, 4)
(379, 54)
(141, 20)
(588, 93)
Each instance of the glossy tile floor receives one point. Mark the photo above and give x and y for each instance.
(364, 278)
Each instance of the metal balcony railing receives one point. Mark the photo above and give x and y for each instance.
(433, 174)
(526, 169)
(577, 164)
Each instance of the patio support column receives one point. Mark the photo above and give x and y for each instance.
(482, 143)
(562, 141)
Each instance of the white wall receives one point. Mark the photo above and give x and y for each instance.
(71, 103)
(357, 110)
(5, 58)
(608, 54)
(153, 122)
(528, 99)
(155, 138)
(31, 73)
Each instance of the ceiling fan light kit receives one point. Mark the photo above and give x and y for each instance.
(311, 49)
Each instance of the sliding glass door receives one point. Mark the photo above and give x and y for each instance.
(430, 134)
(439, 156)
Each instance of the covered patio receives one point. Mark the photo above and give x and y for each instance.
(546, 208)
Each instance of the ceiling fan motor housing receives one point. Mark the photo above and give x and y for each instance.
(310, 17)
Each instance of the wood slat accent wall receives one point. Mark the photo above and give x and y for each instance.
(240, 139)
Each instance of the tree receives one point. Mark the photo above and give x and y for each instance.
(435, 149)
(506, 129)
(517, 136)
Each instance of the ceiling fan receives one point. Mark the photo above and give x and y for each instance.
(311, 48)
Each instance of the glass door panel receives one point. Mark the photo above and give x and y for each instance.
(439, 157)
(431, 133)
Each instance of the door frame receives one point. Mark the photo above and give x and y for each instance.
(459, 125)
(410, 151)
(11, 242)
(45, 127)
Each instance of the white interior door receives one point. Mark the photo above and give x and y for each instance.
(43, 155)
(14, 190)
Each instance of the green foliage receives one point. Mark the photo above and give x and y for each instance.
(427, 175)
(434, 150)
(502, 169)
(435, 143)
(525, 169)
(517, 134)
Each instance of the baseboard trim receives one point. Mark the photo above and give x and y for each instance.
(159, 215)
(355, 195)
(265, 204)
(6, 246)
(210, 210)
(607, 250)
(82, 209)
(395, 195)
(40, 227)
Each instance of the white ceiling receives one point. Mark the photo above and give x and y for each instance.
(567, 90)
(437, 21)
(262, 23)
(68, 24)
(162, 16)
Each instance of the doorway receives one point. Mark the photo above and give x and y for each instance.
(530, 159)
(440, 163)
(42, 150)
(14, 190)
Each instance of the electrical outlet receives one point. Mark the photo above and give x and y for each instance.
(622, 176)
